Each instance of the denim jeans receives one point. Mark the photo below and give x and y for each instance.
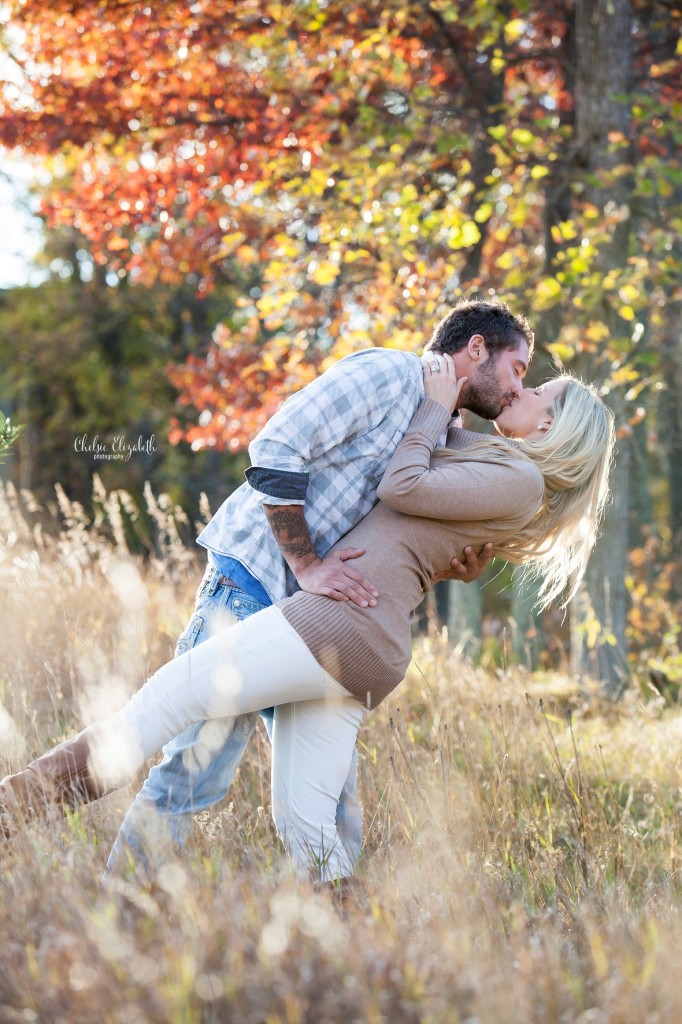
(198, 766)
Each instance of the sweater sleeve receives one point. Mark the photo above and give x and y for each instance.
(444, 488)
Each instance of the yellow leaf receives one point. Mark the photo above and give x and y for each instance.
(590, 211)
(538, 171)
(579, 265)
(666, 68)
(505, 260)
(483, 212)
(286, 246)
(271, 301)
(513, 29)
(317, 180)
(566, 229)
(276, 270)
(627, 312)
(547, 292)
(324, 272)
(624, 375)
(230, 242)
(522, 137)
(564, 353)
(246, 254)
(596, 330)
(351, 255)
(628, 293)
(464, 236)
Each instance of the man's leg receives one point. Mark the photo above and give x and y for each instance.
(198, 766)
(313, 742)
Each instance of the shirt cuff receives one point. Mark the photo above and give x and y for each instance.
(290, 488)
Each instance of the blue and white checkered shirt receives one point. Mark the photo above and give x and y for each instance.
(326, 449)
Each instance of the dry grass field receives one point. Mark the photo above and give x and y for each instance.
(522, 837)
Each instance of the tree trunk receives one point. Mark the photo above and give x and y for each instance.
(670, 417)
(460, 607)
(641, 509)
(599, 611)
(603, 85)
(526, 625)
(603, 81)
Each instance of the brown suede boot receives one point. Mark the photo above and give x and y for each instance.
(59, 778)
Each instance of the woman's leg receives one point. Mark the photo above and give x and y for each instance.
(312, 748)
(261, 662)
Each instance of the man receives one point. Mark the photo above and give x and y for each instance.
(315, 470)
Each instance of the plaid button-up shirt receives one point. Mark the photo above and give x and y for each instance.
(326, 449)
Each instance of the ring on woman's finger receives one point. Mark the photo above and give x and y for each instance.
(434, 367)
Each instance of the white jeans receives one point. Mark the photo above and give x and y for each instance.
(260, 662)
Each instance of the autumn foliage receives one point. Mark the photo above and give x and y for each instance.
(347, 171)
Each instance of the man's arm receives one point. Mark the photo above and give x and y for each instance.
(330, 576)
(349, 399)
(315, 420)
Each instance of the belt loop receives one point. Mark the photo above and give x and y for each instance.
(214, 576)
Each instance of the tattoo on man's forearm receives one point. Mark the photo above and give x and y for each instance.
(289, 527)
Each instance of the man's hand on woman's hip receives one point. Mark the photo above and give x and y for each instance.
(333, 576)
(330, 576)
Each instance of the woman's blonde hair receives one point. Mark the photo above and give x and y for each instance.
(574, 457)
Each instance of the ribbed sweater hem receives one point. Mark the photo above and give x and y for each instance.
(341, 651)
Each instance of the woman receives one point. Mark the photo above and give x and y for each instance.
(322, 663)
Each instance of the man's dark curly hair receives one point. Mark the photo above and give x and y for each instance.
(494, 321)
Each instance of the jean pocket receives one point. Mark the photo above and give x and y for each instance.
(242, 604)
(189, 638)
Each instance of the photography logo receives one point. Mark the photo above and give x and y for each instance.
(119, 449)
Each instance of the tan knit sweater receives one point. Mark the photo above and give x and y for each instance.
(432, 506)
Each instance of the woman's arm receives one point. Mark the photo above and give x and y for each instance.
(448, 489)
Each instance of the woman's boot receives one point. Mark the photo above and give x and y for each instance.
(60, 778)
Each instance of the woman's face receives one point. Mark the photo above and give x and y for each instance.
(530, 415)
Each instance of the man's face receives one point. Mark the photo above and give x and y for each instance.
(495, 383)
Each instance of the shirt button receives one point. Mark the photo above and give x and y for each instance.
(236, 604)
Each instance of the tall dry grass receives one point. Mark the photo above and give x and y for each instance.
(521, 836)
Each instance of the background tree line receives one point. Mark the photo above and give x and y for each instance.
(302, 180)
